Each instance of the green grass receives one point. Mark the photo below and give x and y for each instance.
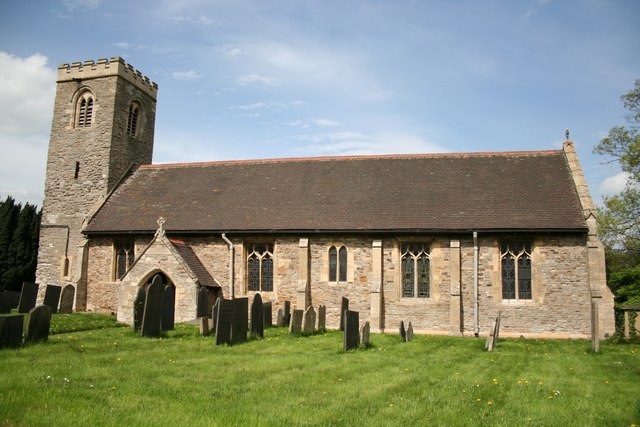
(113, 377)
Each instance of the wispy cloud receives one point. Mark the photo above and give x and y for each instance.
(185, 75)
(250, 79)
(196, 20)
(73, 5)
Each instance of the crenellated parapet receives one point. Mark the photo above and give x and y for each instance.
(116, 66)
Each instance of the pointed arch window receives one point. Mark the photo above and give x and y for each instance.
(338, 264)
(125, 255)
(133, 123)
(84, 110)
(515, 260)
(260, 267)
(415, 270)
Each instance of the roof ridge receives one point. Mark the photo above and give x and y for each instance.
(352, 157)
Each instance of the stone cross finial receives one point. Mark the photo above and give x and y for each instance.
(161, 223)
(566, 134)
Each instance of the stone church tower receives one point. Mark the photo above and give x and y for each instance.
(103, 123)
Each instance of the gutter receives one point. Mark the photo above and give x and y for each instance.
(476, 304)
(231, 291)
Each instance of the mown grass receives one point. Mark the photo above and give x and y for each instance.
(114, 377)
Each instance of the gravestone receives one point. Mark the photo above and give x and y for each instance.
(409, 335)
(203, 302)
(223, 321)
(52, 297)
(11, 330)
(491, 339)
(214, 315)
(403, 332)
(365, 331)
(8, 301)
(203, 325)
(497, 333)
(239, 320)
(28, 297)
(595, 328)
(295, 326)
(268, 313)
(138, 308)
(322, 318)
(344, 306)
(279, 318)
(309, 321)
(152, 316)
(351, 330)
(66, 299)
(168, 308)
(287, 313)
(257, 317)
(38, 325)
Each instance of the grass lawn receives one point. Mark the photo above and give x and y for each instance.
(111, 376)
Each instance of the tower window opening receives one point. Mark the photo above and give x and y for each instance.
(134, 119)
(77, 171)
(85, 111)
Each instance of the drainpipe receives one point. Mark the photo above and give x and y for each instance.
(224, 237)
(476, 305)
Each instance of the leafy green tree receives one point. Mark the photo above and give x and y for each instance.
(619, 218)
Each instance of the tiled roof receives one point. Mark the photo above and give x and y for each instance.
(194, 263)
(447, 192)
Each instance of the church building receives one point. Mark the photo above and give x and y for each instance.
(444, 241)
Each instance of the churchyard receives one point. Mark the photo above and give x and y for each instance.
(107, 374)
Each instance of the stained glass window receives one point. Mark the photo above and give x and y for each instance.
(343, 264)
(125, 255)
(415, 271)
(260, 267)
(338, 264)
(516, 270)
(333, 263)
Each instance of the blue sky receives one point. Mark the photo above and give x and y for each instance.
(256, 79)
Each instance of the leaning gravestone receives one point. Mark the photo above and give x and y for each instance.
(152, 316)
(295, 326)
(39, 323)
(403, 332)
(11, 330)
(309, 321)
(322, 318)
(497, 334)
(268, 313)
(214, 314)
(351, 330)
(344, 306)
(239, 320)
(203, 302)
(138, 308)
(491, 339)
(287, 313)
(409, 334)
(365, 331)
(279, 318)
(28, 297)
(257, 317)
(52, 297)
(66, 299)
(8, 301)
(168, 308)
(223, 321)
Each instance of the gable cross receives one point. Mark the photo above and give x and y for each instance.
(161, 223)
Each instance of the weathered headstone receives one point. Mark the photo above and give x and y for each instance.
(257, 317)
(66, 299)
(309, 321)
(203, 302)
(151, 318)
(223, 322)
(344, 306)
(138, 308)
(268, 314)
(409, 332)
(279, 318)
(240, 320)
(403, 332)
(214, 314)
(287, 313)
(11, 330)
(168, 308)
(351, 330)
(8, 301)
(39, 323)
(28, 297)
(52, 297)
(365, 331)
(203, 325)
(595, 328)
(491, 339)
(322, 318)
(295, 326)
(497, 334)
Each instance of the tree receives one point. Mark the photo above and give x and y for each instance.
(619, 218)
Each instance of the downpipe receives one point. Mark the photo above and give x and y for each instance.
(476, 302)
(231, 291)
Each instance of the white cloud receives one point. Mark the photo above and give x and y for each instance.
(257, 79)
(614, 184)
(185, 75)
(81, 4)
(122, 45)
(325, 122)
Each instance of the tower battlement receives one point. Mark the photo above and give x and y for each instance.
(107, 67)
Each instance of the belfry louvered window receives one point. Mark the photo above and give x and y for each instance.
(260, 267)
(84, 113)
(415, 270)
(338, 264)
(515, 259)
(125, 255)
(134, 119)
